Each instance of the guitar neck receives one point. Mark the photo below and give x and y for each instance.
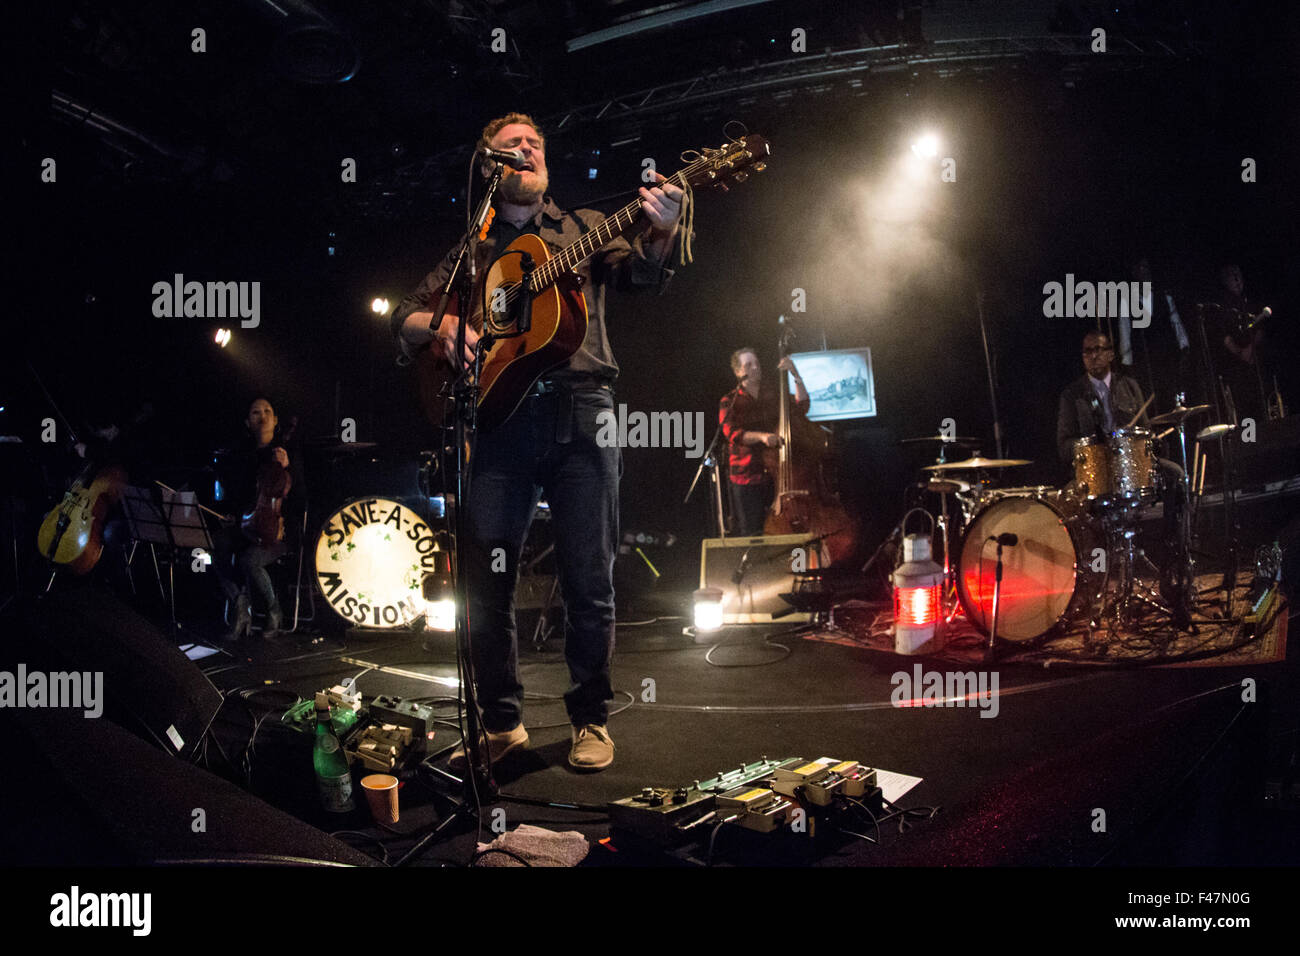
(605, 232)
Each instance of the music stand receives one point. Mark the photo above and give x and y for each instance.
(169, 518)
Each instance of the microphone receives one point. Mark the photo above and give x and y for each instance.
(739, 574)
(513, 158)
(1007, 539)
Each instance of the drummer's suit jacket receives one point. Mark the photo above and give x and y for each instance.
(1074, 416)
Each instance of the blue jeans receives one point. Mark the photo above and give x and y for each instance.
(548, 447)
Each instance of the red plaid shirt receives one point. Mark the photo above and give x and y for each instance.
(750, 415)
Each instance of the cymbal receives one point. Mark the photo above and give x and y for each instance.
(343, 448)
(941, 486)
(1213, 431)
(973, 464)
(1178, 414)
(939, 438)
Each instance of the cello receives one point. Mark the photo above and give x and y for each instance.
(71, 535)
(804, 502)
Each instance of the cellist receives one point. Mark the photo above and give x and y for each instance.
(748, 415)
(255, 478)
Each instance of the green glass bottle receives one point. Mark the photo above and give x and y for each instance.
(333, 778)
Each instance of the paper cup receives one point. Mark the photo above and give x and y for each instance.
(381, 794)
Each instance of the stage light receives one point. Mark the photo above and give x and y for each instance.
(440, 595)
(379, 306)
(440, 615)
(918, 586)
(927, 146)
(708, 609)
(222, 337)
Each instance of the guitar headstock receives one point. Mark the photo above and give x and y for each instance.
(731, 162)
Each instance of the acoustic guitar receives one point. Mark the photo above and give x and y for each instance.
(558, 314)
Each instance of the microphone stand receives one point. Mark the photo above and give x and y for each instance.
(710, 461)
(478, 777)
(997, 594)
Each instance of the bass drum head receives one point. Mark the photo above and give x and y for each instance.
(371, 559)
(1038, 573)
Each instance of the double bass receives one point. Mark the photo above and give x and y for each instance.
(804, 502)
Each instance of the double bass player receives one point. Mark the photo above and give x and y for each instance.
(749, 415)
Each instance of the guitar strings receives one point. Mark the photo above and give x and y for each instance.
(549, 271)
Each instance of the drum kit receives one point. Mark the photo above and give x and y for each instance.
(1066, 556)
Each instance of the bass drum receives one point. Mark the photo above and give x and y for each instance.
(1047, 577)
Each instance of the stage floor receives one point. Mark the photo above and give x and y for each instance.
(1018, 773)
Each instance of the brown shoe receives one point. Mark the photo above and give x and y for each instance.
(593, 749)
(498, 746)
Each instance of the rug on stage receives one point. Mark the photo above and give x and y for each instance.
(1151, 639)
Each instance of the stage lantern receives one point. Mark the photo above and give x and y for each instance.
(918, 597)
(708, 609)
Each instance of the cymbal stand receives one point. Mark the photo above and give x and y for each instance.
(951, 603)
(1119, 605)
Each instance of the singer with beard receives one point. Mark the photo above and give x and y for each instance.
(748, 414)
(548, 446)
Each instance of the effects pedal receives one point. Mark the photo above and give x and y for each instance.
(404, 713)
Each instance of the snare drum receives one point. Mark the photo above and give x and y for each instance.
(1133, 463)
(1048, 577)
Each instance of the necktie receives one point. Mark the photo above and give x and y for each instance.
(1104, 394)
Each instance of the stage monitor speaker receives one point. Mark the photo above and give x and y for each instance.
(753, 573)
(149, 685)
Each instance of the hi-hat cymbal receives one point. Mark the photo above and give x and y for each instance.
(1213, 431)
(942, 486)
(974, 464)
(1178, 414)
(939, 438)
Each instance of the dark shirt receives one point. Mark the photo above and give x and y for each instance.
(1075, 417)
(238, 469)
(1229, 319)
(620, 263)
(751, 414)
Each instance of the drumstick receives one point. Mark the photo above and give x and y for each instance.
(1140, 411)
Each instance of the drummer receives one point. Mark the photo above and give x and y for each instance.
(1099, 402)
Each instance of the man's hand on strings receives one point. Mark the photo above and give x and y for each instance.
(662, 204)
(446, 336)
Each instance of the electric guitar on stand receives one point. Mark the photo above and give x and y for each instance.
(530, 304)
